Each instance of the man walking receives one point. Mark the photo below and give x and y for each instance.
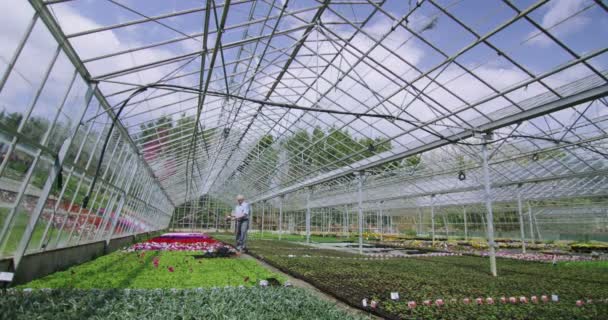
(241, 215)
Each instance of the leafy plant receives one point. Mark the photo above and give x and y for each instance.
(152, 269)
(219, 303)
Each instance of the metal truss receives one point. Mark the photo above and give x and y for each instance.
(304, 105)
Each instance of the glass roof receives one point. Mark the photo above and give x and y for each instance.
(273, 97)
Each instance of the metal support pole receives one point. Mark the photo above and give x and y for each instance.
(263, 214)
(381, 217)
(540, 237)
(464, 215)
(531, 226)
(308, 215)
(280, 217)
(420, 222)
(490, 215)
(447, 230)
(433, 219)
(346, 222)
(360, 208)
(521, 221)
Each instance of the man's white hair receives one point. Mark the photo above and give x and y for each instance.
(240, 197)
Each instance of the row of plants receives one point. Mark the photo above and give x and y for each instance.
(285, 248)
(156, 269)
(479, 243)
(540, 252)
(220, 303)
(590, 247)
(447, 278)
(314, 237)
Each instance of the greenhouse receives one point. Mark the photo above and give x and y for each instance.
(304, 159)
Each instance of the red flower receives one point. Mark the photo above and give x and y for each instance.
(171, 269)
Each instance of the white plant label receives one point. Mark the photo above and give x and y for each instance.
(364, 302)
(6, 276)
(394, 295)
(554, 298)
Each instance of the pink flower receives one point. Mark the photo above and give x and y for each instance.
(503, 299)
(534, 299)
(544, 298)
(580, 303)
(489, 300)
(523, 299)
(479, 300)
(374, 304)
(512, 300)
(171, 269)
(439, 302)
(466, 300)
(411, 304)
(427, 302)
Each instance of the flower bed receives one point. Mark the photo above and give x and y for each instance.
(538, 257)
(421, 279)
(224, 303)
(479, 248)
(199, 242)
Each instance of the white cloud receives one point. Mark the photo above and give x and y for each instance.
(561, 10)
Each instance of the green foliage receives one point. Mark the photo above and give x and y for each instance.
(131, 270)
(261, 158)
(34, 128)
(221, 303)
(334, 148)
